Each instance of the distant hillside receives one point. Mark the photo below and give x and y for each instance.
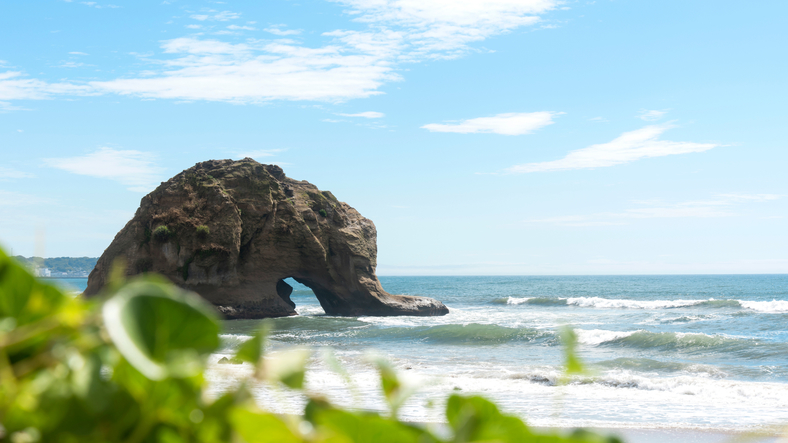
(61, 266)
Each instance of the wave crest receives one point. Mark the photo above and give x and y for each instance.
(774, 306)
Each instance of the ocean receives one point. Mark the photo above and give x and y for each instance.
(662, 352)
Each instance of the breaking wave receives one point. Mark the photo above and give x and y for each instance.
(749, 348)
(775, 306)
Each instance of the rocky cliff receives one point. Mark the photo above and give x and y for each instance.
(232, 231)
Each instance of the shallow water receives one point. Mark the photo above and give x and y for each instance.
(702, 352)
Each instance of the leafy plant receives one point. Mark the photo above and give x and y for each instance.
(128, 367)
(203, 232)
(162, 233)
(323, 213)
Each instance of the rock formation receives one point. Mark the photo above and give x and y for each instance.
(232, 231)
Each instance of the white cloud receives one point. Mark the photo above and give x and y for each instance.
(77, 53)
(724, 205)
(217, 16)
(281, 33)
(7, 106)
(353, 64)
(134, 169)
(651, 115)
(368, 114)
(251, 73)
(506, 124)
(750, 197)
(14, 86)
(628, 147)
(193, 26)
(444, 28)
(70, 65)
(98, 6)
(9, 198)
(598, 119)
(12, 174)
(241, 28)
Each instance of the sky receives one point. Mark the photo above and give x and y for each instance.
(498, 137)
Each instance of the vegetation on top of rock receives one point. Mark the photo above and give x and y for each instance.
(203, 232)
(162, 233)
(129, 368)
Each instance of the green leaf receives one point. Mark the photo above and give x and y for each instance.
(261, 428)
(477, 419)
(394, 390)
(288, 367)
(22, 297)
(572, 363)
(364, 428)
(252, 350)
(160, 329)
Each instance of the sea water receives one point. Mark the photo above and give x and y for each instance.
(698, 352)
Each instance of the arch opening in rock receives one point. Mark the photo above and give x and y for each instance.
(284, 290)
(300, 292)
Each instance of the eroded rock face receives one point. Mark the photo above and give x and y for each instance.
(232, 231)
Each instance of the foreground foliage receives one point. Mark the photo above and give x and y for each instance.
(128, 367)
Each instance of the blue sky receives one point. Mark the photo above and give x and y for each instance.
(495, 137)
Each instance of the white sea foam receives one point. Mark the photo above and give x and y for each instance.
(775, 306)
(517, 300)
(310, 310)
(599, 302)
(231, 342)
(599, 336)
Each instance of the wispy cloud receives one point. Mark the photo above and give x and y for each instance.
(131, 168)
(352, 64)
(282, 33)
(506, 124)
(9, 198)
(368, 114)
(241, 28)
(216, 16)
(723, 205)
(7, 174)
(7, 106)
(750, 197)
(70, 65)
(252, 73)
(651, 115)
(628, 147)
(99, 6)
(15, 86)
(77, 53)
(444, 29)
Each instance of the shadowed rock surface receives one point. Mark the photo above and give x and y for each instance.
(232, 231)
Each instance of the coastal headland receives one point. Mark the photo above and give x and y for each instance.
(233, 231)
